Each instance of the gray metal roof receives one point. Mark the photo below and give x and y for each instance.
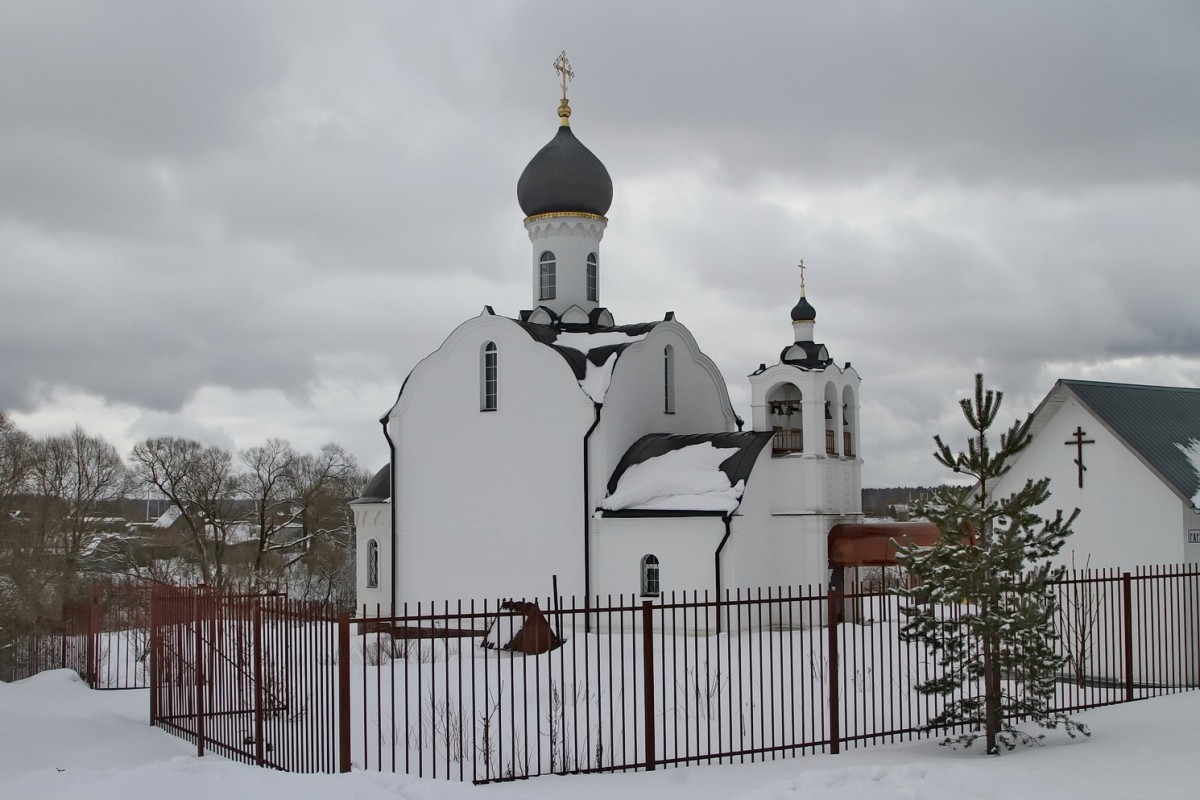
(379, 488)
(565, 176)
(1152, 421)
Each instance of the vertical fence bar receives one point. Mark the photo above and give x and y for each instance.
(343, 622)
(197, 605)
(155, 656)
(1127, 594)
(256, 646)
(92, 632)
(648, 679)
(834, 601)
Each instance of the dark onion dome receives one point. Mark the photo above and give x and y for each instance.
(564, 177)
(379, 487)
(803, 311)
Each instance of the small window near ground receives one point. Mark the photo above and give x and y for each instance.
(547, 279)
(650, 581)
(489, 378)
(372, 564)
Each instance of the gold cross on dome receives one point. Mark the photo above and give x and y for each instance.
(563, 67)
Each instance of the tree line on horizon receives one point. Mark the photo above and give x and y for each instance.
(262, 518)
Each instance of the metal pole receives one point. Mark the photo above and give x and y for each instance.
(834, 601)
(648, 679)
(93, 639)
(197, 607)
(344, 692)
(1127, 592)
(256, 645)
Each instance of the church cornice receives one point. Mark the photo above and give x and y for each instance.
(559, 214)
(572, 225)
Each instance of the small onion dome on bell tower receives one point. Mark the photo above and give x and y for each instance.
(805, 352)
(564, 177)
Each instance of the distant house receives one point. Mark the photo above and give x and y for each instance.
(1128, 457)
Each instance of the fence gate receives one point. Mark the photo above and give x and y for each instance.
(254, 678)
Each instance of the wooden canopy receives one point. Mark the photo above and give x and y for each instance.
(873, 544)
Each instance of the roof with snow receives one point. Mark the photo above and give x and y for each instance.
(1160, 424)
(590, 350)
(683, 474)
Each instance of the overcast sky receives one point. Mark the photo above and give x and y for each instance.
(238, 220)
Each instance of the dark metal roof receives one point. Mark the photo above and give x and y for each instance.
(565, 176)
(1152, 421)
(803, 311)
(806, 355)
(379, 488)
(737, 467)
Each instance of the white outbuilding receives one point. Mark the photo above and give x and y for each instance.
(560, 448)
(1128, 457)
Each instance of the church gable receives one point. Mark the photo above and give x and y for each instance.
(1159, 426)
(1158, 423)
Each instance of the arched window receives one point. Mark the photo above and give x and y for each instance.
(785, 409)
(489, 378)
(650, 581)
(849, 434)
(372, 564)
(547, 281)
(831, 425)
(669, 379)
(593, 278)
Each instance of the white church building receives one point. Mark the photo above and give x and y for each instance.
(560, 448)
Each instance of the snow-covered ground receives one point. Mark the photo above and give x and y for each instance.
(58, 739)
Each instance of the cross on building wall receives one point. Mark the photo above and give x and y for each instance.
(1078, 443)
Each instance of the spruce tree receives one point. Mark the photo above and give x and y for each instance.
(982, 600)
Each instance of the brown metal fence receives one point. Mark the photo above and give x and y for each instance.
(103, 636)
(437, 690)
(685, 679)
(256, 678)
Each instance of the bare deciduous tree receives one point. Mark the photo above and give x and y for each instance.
(200, 482)
(77, 478)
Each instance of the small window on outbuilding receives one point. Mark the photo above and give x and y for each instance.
(650, 579)
(547, 279)
(593, 278)
(489, 378)
(372, 564)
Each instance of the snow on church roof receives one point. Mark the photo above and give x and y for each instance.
(592, 351)
(1192, 451)
(598, 376)
(690, 473)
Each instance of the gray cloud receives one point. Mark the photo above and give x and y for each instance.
(279, 202)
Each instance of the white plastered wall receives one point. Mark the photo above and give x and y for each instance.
(1128, 516)
(634, 405)
(373, 521)
(571, 239)
(489, 503)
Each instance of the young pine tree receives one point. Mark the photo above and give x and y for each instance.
(983, 603)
